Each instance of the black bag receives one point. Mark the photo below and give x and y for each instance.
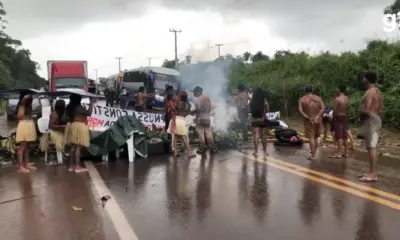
(286, 133)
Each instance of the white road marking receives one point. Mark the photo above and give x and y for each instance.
(124, 230)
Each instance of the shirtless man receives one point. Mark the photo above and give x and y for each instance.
(203, 120)
(371, 108)
(242, 106)
(311, 107)
(339, 122)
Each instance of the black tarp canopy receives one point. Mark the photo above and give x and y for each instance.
(116, 136)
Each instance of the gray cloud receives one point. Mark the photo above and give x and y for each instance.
(334, 22)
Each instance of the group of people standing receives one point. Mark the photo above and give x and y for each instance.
(142, 99)
(312, 107)
(176, 108)
(68, 129)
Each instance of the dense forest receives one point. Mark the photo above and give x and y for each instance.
(16, 67)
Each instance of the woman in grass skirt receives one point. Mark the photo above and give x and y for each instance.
(79, 131)
(181, 110)
(67, 131)
(57, 128)
(26, 132)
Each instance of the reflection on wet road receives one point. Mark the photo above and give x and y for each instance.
(230, 195)
(235, 196)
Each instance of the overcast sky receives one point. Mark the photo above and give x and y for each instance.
(100, 30)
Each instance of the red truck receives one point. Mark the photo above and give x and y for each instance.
(67, 74)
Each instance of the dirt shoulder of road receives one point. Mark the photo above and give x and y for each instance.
(389, 143)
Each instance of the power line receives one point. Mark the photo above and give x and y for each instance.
(176, 44)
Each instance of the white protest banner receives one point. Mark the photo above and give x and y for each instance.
(103, 116)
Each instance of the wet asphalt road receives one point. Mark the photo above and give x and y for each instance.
(230, 195)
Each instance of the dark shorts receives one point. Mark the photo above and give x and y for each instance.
(258, 123)
(326, 120)
(340, 126)
(139, 108)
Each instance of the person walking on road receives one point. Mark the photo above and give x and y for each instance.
(311, 107)
(26, 132)
(124, 98)
(79, 132)
(203, 120)
(258, 109)
(169, 94)
(242, 106)
(371, 122)
(109, 93)
(340, 122)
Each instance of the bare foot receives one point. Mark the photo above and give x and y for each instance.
(80, 169)
(335, 156)
(71, 168)
(311, 158)
(23, 169)
(30, 167)
(368, 178)
(191, 155)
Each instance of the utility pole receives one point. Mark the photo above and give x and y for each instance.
(95, 81)
(176, 44)
(119, 63)
(219, 45)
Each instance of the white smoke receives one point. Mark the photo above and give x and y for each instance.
(213, 78)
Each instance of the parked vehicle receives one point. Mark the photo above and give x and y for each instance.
(67, 74)
(11, 107)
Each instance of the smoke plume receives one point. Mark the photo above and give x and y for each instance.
(213, 78)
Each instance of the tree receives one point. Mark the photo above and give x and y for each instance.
(169, 63)
(247, 56)
(16, 67)
(259, 56)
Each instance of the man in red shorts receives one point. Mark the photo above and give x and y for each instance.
(340, 123)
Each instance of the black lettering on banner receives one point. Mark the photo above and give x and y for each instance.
(124, 113)
(112, 123)
(106, 111)
(145, 117)
(112, 114)
(139, 116)
(119, 114)
(157, 118)
(99, 108)
(107, 124)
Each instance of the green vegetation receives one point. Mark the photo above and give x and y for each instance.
(285, 74)
(17, 70)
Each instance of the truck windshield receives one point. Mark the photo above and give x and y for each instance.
(70, 82)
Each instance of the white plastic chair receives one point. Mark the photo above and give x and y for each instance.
(43, 125)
